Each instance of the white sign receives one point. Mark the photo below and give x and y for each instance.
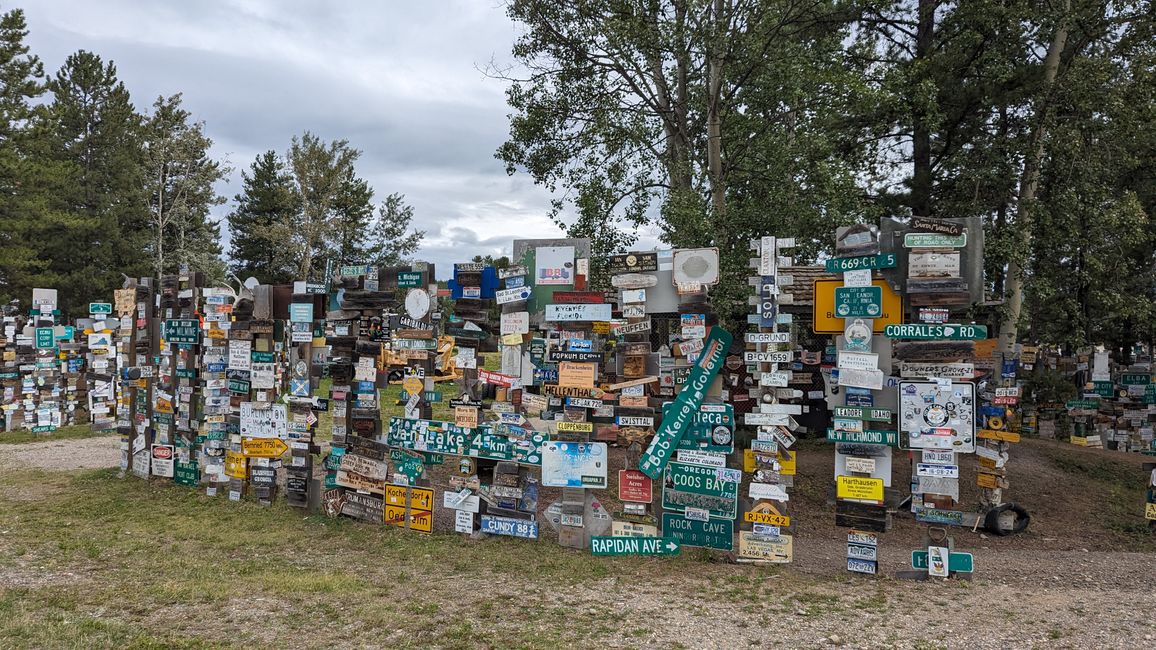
(241, 355)
(922, 370)
(768, 337)
(859, 465)
(578, 312)
(463, 522)
(459, 501)
(767, 253)
(767, 419)
(872, 379)
(768, 357)
(574, 464)
(947, 471)
(937, 485)
(857, 278)
(695, 266)
(517, 322)
(264, 422)
(633, 328)
(940, 456)
(768, 491)
(263, 376)
(710, 459)
(778, 378)
(633, 295)
(517, 294)
(858, 361)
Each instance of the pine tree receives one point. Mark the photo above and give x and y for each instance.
(267, 197)
(95, 228)
(392, 240)
(21, 82)
(348, 241)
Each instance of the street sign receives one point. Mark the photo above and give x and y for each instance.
(890, 438)
(714, 533)
(100, 307)
(844, 264)
(183, 331)
(44, 338)
(697, 486)
(957, 562)
(858, 302)
(633, 546)
(263, 447)
(827, 321)
(929, 331)
(934, 240)
(863, 413)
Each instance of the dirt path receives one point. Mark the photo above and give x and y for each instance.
(63, 455)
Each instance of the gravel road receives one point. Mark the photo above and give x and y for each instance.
(63, 455)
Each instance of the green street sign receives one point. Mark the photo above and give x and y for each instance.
(712, 430)
(428, 395)
(186, 373)
(410, 465)
(686, 405)
(715, 533)
(44, 428)
(1104, 389)
(183, 331)
(958, 562)
(238, 386)
(1082, 404)
(1135, 379)
(698, 486)
(858, 302)
(100, 307)
(867, 413)
(44, 338)
(633, 546)
(933, 240)
(889, 438)
(926, 331)
(409, 279)
(843, 264)
(262, 357)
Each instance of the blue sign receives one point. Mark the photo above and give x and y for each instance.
(489, 284)
(515, 282)
(859, 396)
(581, 345)
(509, 527)
(545, 376)
(301, 312)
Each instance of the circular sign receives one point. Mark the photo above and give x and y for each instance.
(417, 303)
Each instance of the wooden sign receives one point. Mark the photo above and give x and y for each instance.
(579, 297)
(939, 226)
(634, 366)
(466, 416)
(633, 281)
(633, 263)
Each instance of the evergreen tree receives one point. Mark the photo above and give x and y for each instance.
(21, 82)
(95, 229)
(347, 241)
(393, 242)
(267, 197)
(179, 191)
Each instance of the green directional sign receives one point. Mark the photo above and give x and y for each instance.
(933, 240)
(1136, 379)
(1082, 404)
(698, 486)
(1104, 389)
(926, 331)
(843, 264)
(863, 413)
(686, 405)
(409, 464)
(409, 279)
(100, 307)
(427, 395)
(715, 533)
(44, 428)
(958, 562)
(858, 302)
(186, 473)
(262, 357)
(238, 386)
(183, 331)
(890, 438)
(45, 340)
(633, 546)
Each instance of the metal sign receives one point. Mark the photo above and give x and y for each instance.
(929, 331)
(765, 548)
(603, 546)
(182, 331)
(713, 533)
(827, 321)
(856, 488)
(635, 486)
(956, 562)
(695, 486)
(634, 263)
(578, 312)
(574, 464)
(890, 438)
(263, 447)
(844, 264)
(934, 240)
(508, 526)
(868, 413)
(858, 302)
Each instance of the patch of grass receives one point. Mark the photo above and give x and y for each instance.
(73, 432)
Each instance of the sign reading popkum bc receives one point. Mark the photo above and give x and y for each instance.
(686, 405)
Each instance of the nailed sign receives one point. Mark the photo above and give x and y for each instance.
(578, 312)
(858, 302)
(634, 263)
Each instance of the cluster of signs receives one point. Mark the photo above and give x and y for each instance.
(55, 375)
(1117, 408)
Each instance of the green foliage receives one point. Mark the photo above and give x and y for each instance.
(267, 197)
(391, 239)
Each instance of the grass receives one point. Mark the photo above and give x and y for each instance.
(22, 436)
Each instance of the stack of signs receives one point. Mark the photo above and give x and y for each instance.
(101, 329)
(10, 371)
(470, 323)
(937, 418)
(177, 390)
(993, 443)
(138, 337)
(220, 381)
(42, 385)
(861, 429)
(769, 354)
(934, 278)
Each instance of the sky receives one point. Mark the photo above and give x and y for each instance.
(401, 81)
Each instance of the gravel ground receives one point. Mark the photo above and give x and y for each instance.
(63, 455)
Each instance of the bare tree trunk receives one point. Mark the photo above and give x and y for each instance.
(159, 261)
(714, 117)
(920, 132)
(1029, 182)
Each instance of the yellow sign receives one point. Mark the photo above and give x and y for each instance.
(1150, 511)
(768, 518)
(824, 309)
(787, 463)
(992, 434)
(576, 427)
(419, 504)
(858, 488)
(600, 327)
(512, 338)
(395, 516)
(263, 447)
(235, 465)
(217, 334)
(1079, 441)
(413, 385)
(988, 481)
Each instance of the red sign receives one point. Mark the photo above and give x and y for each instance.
(495, 378)
(585, 297)
(1005, 401)
(163, 452)
(635, 486)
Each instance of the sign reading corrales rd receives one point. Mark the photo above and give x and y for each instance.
(633, 546)
(927, 331)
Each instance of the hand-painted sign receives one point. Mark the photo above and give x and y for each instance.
(687, 403)
(578, 312)
(776, 549)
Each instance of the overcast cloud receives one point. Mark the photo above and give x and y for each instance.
(399, 80)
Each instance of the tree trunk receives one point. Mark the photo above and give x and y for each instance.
(1029, 182)
(159, 262)
(714, 119)
(920, 132)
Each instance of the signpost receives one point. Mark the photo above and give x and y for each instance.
(610, 546)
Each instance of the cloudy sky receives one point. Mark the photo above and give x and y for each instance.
(400, 80)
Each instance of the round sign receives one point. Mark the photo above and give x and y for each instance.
(721, 436)
(417, 303)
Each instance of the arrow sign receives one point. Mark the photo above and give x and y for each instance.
(263, 447)
(634, 546)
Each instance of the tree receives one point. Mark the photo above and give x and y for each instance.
(21, 83)
(322, 172)
(348, 237)
(392, 241)
(94, 228)
(267, 197)
(179, 187)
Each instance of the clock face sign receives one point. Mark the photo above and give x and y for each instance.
(417, 303)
